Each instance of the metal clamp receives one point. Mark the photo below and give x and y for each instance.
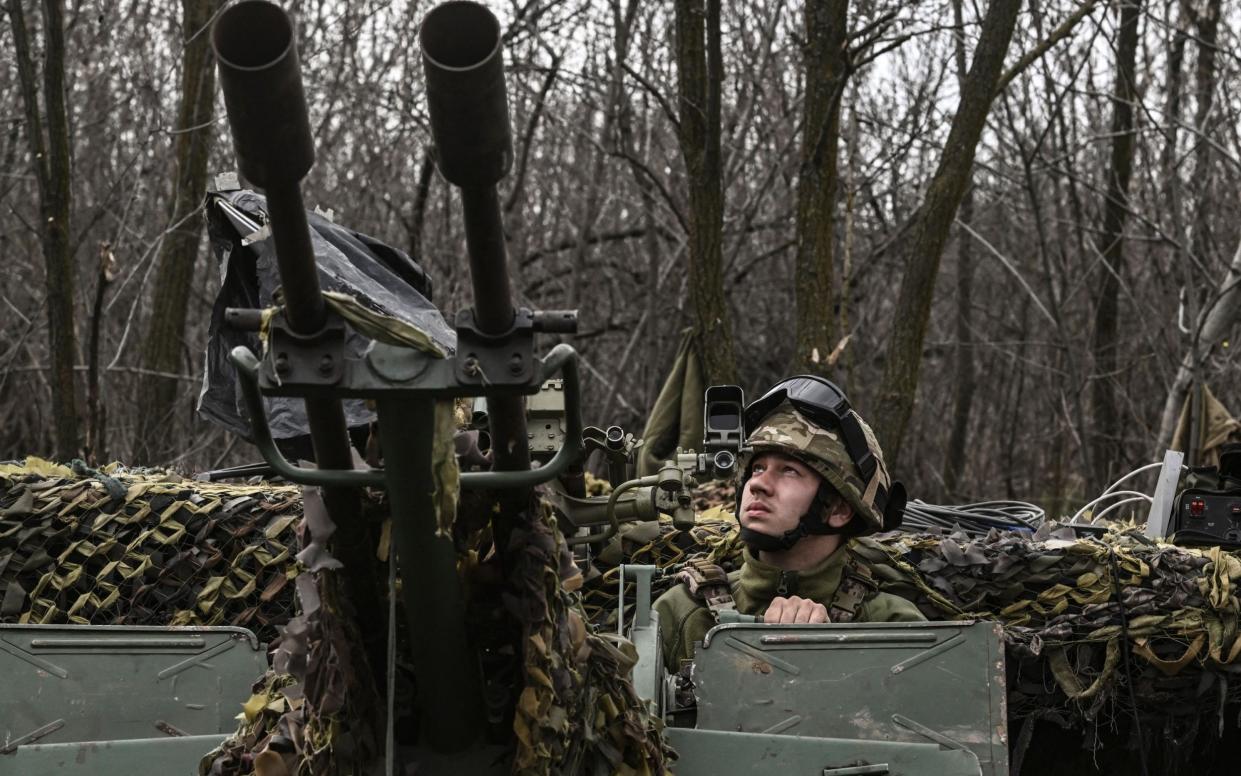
(313, 360)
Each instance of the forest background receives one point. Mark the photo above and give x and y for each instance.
(1004, 228)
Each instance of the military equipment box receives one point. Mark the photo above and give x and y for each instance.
(862, 698)
(120, 699)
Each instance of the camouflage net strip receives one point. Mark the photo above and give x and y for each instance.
(144, 548)
(577, 713)
(316, 711)
(150, 547)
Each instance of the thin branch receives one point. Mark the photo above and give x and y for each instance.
(1057, 35)
(652, 90)
(1009, 266)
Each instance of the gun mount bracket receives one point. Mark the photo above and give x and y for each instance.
(495, 359)
(312, 360)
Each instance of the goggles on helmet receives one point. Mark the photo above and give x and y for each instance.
(821, 402)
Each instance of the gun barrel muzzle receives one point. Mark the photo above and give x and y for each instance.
(256, 47)
(463, 60)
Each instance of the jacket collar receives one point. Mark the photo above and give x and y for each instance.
(760, 582)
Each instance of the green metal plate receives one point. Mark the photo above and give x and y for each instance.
(936, 683)
(163, 756)
(712, 752)
(107, 683)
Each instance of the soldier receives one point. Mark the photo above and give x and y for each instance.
(813, 479)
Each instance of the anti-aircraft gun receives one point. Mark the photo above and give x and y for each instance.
(916, 699)
(495, 341)
(796, 707)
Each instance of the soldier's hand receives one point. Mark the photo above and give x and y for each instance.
(795, 610)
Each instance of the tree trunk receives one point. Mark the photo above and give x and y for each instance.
(699, 73)
(96, 451)
(826, 71)
(930, 231)
(1107, 437)
(51, 163)
(178, 255)
(954, 456)
(1207, 22)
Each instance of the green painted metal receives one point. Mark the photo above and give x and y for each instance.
(648, 672)
(74, 683)
(710, 752)
(940, 683)
(445, 666)
(610, 511)
(164, 756)
(561, 359)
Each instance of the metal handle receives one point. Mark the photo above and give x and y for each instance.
(108, 642)
(730, 616)
(613, 521)
(562, 359)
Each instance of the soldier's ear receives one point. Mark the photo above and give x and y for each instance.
(839, 514)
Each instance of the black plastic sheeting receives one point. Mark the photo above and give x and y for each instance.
(379, 276)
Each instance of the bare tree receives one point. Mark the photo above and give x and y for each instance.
(930, 229)
(1108, 453)
(178, 254)
(50, 160)
(827, 63)
(963, 400)
(699, 78)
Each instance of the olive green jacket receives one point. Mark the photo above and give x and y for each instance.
(683, 620)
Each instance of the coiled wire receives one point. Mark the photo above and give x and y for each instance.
(975, 519)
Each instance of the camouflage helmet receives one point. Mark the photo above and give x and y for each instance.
(787, 430)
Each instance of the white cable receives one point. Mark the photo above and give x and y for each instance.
(1136, 471)
(1079, 512)
(1122, 502)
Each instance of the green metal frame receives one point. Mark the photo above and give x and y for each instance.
(561, 359)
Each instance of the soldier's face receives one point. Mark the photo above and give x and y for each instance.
(777, 494)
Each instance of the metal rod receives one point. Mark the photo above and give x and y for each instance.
(295, 258)
(446, 667)
(256, 48)
(484, 239)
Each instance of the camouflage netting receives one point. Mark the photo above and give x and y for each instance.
(152, 548)
(144, 548)
(317, 711)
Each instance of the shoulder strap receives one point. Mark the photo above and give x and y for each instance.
(857, 585)
(708, 584)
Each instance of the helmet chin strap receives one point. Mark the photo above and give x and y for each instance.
(810, 523)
